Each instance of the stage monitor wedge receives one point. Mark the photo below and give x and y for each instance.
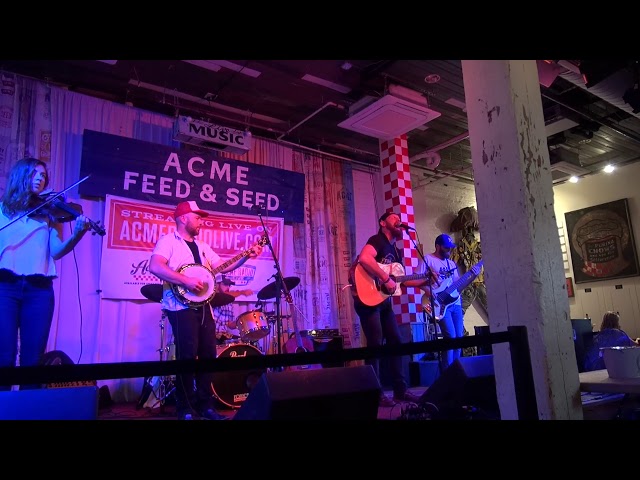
(344, 393)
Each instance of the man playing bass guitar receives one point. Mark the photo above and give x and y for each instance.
(452, 322)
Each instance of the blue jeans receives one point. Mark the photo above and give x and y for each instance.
(451, 326)
(26, 306)
(378, 325)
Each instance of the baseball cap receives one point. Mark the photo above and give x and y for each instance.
(445, 240)
(226, 280)
(190, 206)
(385, 215)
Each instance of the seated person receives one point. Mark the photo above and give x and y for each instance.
(226, 325)
(610, 335)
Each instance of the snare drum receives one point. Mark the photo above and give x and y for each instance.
(252, 326)
(233, 387)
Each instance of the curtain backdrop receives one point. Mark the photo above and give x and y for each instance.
(91, 329)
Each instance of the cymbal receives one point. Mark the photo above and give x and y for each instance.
(269, 291)
(152, 292)
(220, 299)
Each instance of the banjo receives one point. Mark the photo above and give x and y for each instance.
(207, 277)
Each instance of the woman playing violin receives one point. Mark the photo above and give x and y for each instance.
(29, 247)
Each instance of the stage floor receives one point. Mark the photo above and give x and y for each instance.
(129, 411)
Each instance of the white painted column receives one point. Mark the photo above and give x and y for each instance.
(520, 243)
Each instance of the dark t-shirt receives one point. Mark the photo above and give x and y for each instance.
(386, 251)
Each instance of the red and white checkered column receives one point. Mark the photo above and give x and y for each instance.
(398, 197)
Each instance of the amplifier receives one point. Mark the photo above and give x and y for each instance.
(325, 333)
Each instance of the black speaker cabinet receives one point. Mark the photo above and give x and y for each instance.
(73, 403)
(467, 382)
(346, 393)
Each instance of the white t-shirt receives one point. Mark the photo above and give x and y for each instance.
(447, 272)
(25, 248)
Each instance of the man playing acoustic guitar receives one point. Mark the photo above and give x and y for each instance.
(378, 321)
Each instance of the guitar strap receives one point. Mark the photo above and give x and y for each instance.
(194, 251)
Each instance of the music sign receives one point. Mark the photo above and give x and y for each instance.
(157, 173)
(133, 228)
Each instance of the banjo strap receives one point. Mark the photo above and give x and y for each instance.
(194, 250)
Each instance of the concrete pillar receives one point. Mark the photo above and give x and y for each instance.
(398, 197)
(520, 243)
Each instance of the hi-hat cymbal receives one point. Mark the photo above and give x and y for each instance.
(220, 299)
(270, 290)
(152, 292)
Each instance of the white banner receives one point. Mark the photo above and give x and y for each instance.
(134, 226)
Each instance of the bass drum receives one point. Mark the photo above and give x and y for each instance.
(233, 387)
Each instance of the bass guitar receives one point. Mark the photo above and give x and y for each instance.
(298, 343)
(444, 296)
(207, 277)
(372, 292)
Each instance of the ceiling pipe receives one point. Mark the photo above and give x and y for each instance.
(350, 160)
(208, 103)
(441, 146)
(328, 104)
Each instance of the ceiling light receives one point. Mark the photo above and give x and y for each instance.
(250, 72)
(346, 66)
(208, 64)
(326, 83)
(609, 168)
(574, 179)
(457, 103)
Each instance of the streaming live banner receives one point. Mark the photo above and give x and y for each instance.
(134, 226)
(158, 173)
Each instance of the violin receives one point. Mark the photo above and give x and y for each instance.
(61, 211)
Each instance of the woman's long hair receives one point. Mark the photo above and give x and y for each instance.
(610, 320)
(17, 195)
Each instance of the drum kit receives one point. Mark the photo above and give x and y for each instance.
(230, 388)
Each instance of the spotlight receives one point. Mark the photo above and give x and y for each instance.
(609, 169)
(574, 179)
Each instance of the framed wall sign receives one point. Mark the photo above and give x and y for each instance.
(601, 242)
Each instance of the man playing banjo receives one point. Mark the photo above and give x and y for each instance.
(178, 259)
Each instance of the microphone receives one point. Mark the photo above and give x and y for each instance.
(405, 226)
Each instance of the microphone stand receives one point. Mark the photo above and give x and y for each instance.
(431, 320)
(281, 286)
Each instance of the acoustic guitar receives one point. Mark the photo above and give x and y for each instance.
(298, 344)
(372, 292)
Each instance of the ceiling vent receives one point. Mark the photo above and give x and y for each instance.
(399, 112)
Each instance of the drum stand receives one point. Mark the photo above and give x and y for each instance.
(165, 385)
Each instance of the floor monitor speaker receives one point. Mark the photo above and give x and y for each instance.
(347, 393)
(467, 382)
(71, 403)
